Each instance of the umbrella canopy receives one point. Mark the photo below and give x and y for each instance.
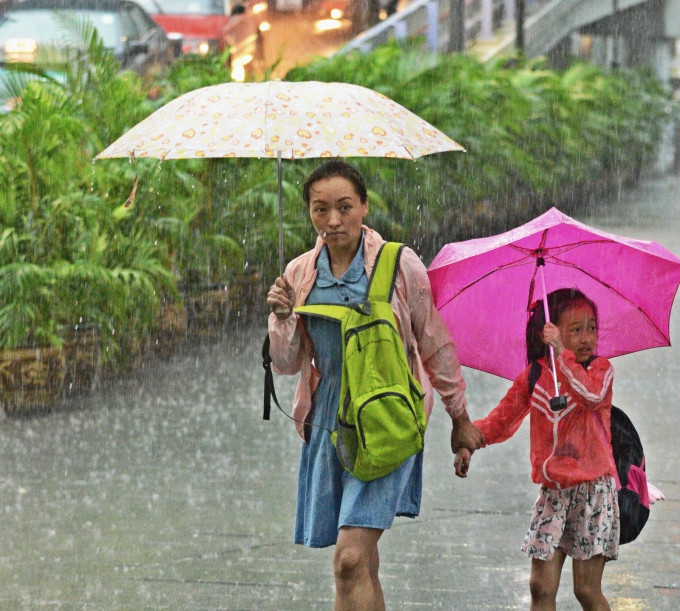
(485, 287)
(291, 119)
(283, 120)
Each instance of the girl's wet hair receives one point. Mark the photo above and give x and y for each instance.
(558, 301)
(332, 169)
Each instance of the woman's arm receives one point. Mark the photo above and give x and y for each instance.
(437, 350)
(285, 348)
(435, 344)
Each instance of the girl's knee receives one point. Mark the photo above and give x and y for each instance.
(589, 595)
(542, 590)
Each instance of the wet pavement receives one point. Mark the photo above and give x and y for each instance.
(168, 491)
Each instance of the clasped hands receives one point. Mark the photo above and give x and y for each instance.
(465, 439)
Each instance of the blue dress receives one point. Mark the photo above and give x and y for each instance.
(328, 496)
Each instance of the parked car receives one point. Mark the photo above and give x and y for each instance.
(136, 41)
(210, 26)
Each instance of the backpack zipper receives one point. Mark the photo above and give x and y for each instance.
(357, 330)
(380, 396)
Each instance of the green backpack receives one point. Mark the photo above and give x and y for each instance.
(381, 417)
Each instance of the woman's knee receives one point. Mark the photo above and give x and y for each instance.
(349, 562)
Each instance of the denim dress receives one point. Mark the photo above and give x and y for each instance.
(328, 496)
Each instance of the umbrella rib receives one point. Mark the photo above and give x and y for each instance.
(561, 249)
(267, 103)
(611, 288)
(500, 268)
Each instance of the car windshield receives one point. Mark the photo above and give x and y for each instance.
(184, 7)
(40, 27)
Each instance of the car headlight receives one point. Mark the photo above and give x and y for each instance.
(20, 49)
(324, 25)
(203, 48)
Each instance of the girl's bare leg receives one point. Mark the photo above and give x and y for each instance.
(355, 564)
(588, 583)
(545, 581)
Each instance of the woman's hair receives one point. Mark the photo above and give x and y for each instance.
(558, 301)
(336, 168)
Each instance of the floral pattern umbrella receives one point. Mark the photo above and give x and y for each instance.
(297, 120)
(281, 119)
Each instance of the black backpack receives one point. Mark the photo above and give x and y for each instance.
(629, 457)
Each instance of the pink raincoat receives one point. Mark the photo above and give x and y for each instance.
(427, 341)
(569, 446)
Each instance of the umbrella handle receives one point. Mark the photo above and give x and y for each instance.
(546, 311)
(280, 309)
(281, 265)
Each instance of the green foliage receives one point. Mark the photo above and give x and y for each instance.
(535, 137)
(67, 253)
(72, 253)
(193, 71)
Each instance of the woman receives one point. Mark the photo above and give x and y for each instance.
(334, 507)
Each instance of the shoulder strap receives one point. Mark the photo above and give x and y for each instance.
(270, 391)
(534, 374)
(385, 270)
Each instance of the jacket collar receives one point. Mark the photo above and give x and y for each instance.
(324, 275)
(372, 243)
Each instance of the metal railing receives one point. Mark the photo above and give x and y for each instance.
(430, 19)
(546, 22)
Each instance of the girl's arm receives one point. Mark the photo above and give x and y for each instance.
(504, 420)
(591, 385)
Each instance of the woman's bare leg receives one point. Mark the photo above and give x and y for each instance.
(355, 564)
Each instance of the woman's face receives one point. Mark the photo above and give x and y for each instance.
(337, 212)
(578, 328)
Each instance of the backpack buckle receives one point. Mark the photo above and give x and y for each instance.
(363, 308)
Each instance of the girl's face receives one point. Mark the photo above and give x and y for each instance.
(337, 212)
(578, 328)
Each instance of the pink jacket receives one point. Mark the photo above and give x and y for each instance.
(569, 446)
(426, 338)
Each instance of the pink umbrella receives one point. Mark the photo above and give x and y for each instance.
(484, 288)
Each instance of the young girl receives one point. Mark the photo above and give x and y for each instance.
(576, 513)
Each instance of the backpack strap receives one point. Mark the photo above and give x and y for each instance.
(269, 390)
(385, 271)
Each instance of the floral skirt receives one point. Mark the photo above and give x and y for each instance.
(582, 521)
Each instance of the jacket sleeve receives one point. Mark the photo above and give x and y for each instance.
(504, 420)
(286, 344)
(591, 385)
(435, 345)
